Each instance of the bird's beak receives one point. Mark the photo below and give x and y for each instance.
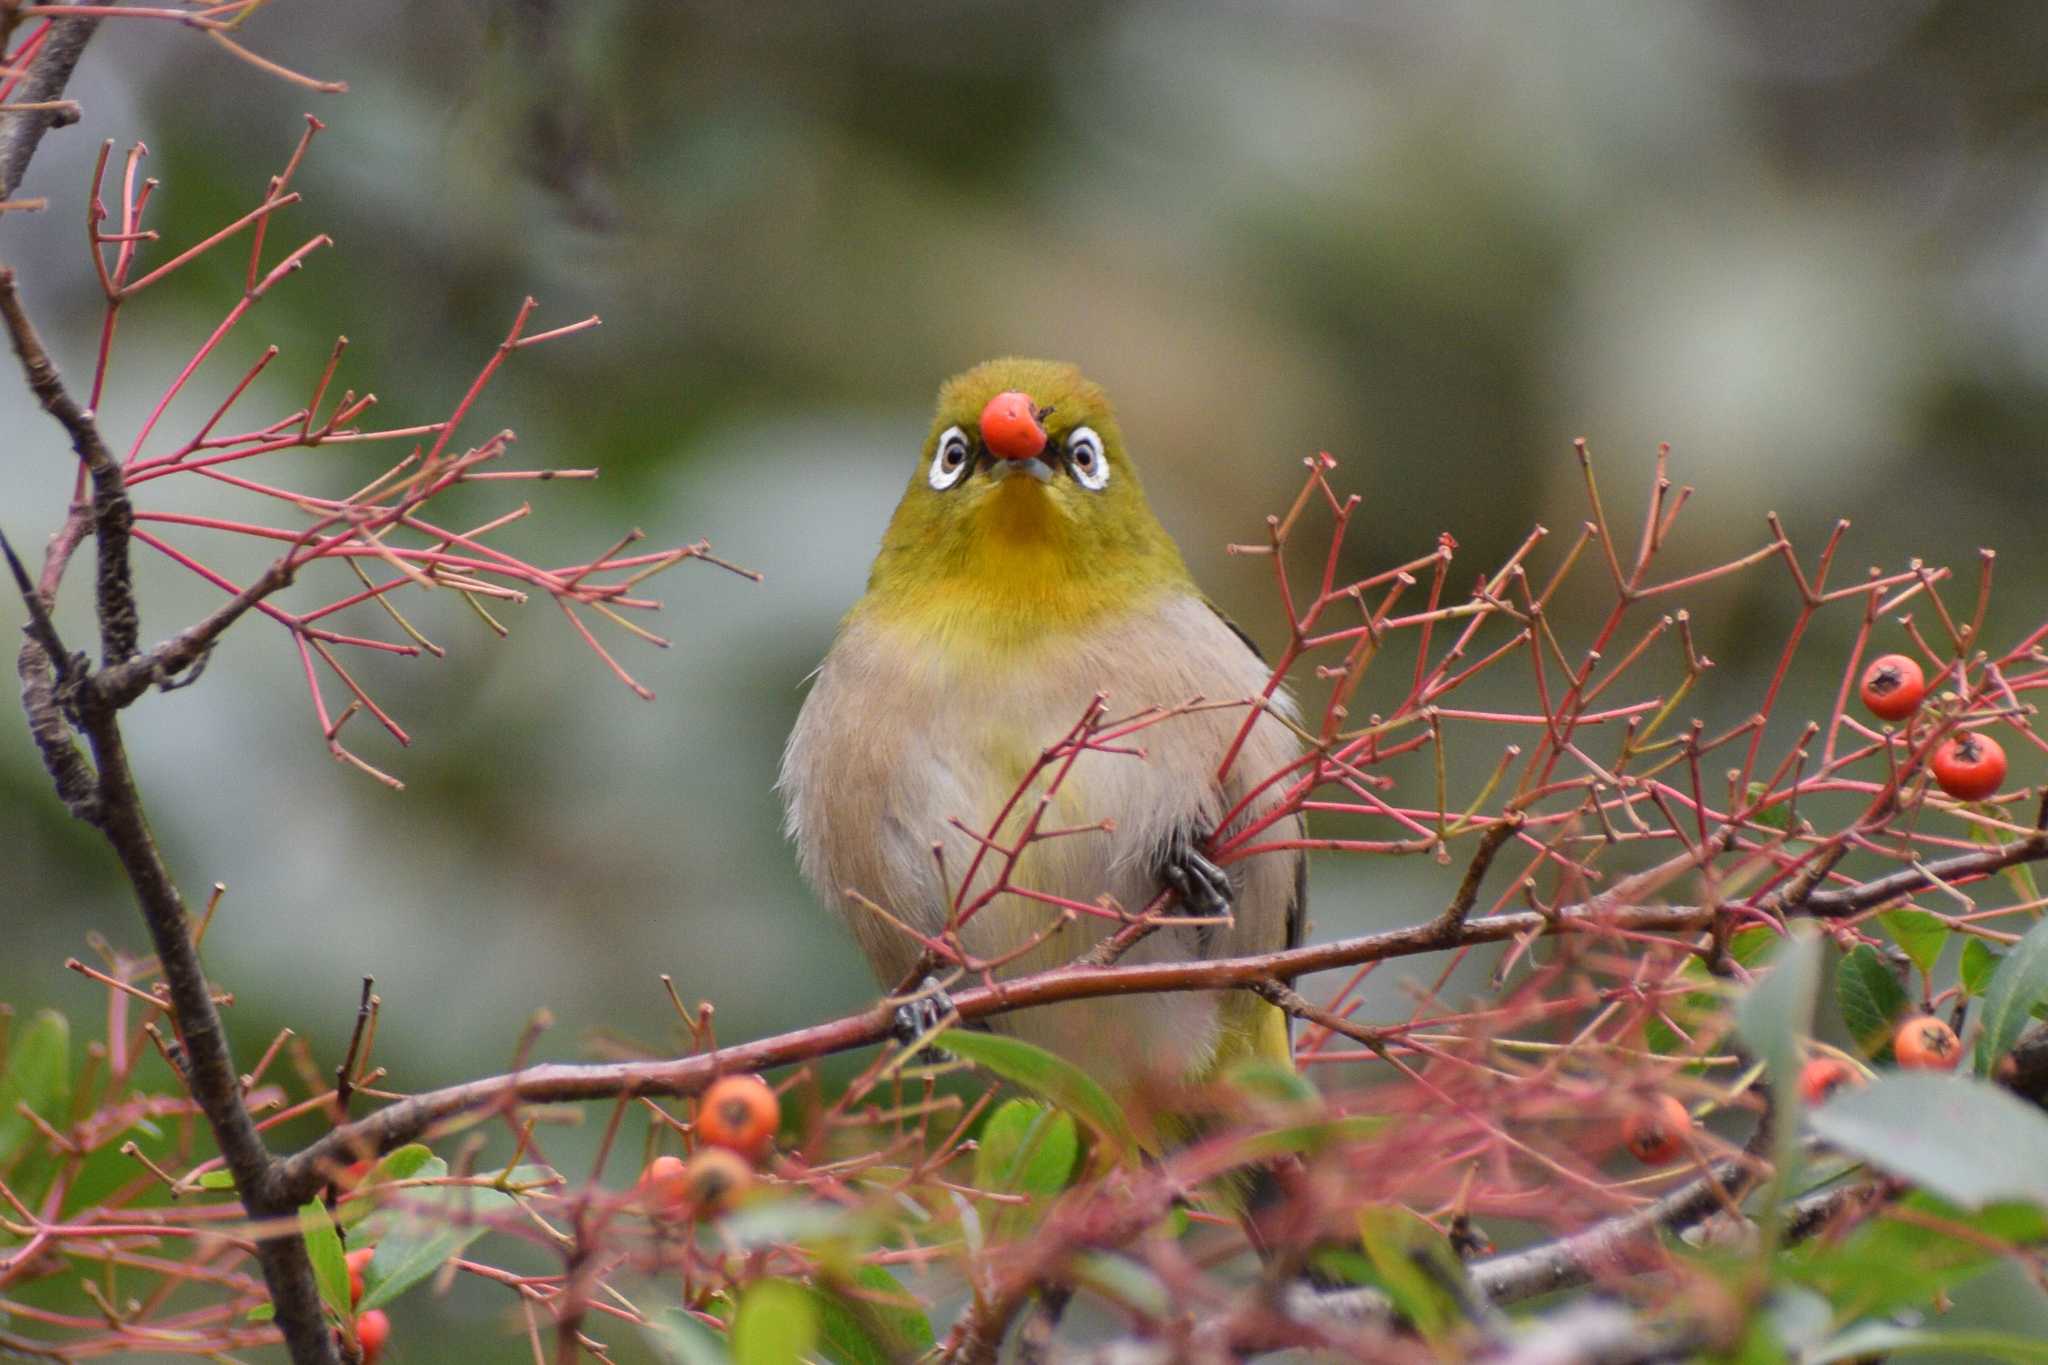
(1038, 469)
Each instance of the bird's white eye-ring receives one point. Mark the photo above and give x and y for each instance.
(949, 461)
(1085, 458)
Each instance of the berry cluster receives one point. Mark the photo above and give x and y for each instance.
(736, 1122)
(373, 1329)
(1969, 765)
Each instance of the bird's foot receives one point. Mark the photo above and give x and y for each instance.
(1204, 888)
(921, 1016)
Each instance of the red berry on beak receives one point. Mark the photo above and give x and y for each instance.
(1009, 426)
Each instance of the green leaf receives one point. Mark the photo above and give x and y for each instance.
(1922, 936)
(680, 1339)
(1415, 1265)
(1889, 1263)
(410, 1162)
(1777, 815)
(1273, 1083)
(2020, 983)
(216, 1180)
(844, 1336)
(1311, 1136)
(1341, 1265)
(1966, 1140)
(1980, 962)
(874, 1321)
(422, 1232)
(262, 1312)
(1123, 1280)
(777, 1324)
(1703, 1006)
(330, 1263)
(406, 1163)
(1871, 1000)
(1026, 1148)
(1774, 1017)
(1045, 1075)
(1874, 1340)
(39, 1076)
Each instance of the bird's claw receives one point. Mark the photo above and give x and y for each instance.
(1204, 888)
(920, 1016)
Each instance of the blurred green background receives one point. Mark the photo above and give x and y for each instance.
(1807, 244)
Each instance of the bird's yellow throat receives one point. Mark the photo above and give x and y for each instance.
(1014, 568)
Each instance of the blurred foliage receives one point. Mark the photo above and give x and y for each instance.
(1802, 242)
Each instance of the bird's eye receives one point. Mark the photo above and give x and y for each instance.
(1085, 458)
(949, 461)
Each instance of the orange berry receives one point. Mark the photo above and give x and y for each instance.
(1009, 426)
(1925, 1043)
(715, 1179)
(358, 1264)
(1892, 687)
(664, 1187)
(373, 1329)
(1823, 1076)
(739, 1112)
(1656, 1133)
(1969, 765)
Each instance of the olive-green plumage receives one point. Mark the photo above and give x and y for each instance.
(1006, 594)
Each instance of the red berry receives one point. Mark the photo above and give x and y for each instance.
(1924, 1043)
(664, 1187)
(1009, 426)
(1892, 687)
(1823, 1076)
(1656, 1133)
(373, 1329)
(1969, 765)
(358, 1264)
(739, 1112)
(715, 1179)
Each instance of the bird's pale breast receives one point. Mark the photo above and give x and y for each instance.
(895, 742)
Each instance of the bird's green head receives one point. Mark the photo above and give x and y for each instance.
(1024, 514)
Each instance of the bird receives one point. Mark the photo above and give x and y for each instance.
(1022, 574)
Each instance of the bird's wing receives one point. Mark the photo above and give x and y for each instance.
(1237, 630)
(1297, 908)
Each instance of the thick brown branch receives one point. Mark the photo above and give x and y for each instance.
(1475, 871)
(122, 683)
(112, 516)
(210, 1072)
(49, 674)
(116, 809)
(1868, 895)
(300, 1177)
(35, 108)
